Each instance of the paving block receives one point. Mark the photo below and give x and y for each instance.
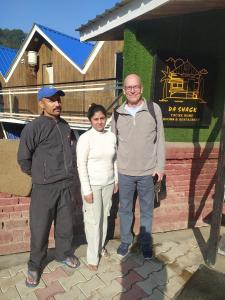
(115, 268)
(184, 247)
(138, 258)
(26, 292)
(166, 259)
(20, 268)
(68, 282)
(148, 285)
(173, 254)
(104, 267)
(157, 295)
(175, 267)
(110, 291)
(10, 294)
(122, 258)
(94, 296)
(195, 258)
(172, 287)
(128, 265)
(54, 265)
(81, 250)
(69, 271)
(90, 286)
(58, 273)
(160, 277)
(49, 291)
(83, 260)
(155, 265)
(148, 267)
(112, 246)
(87, 273)
(130, 279)
(135, 293)
(108, 277)
(46, 270)
(185, 261)
(192, 269)
(73, 294)
(164, 247)
(107, 264)
(5, 274)
(31, 296)
(170, 272)
(6, 283)
(115, 257)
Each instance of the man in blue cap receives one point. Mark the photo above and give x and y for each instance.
(47, 153)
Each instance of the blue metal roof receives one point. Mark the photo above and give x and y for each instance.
(77, 51)
(7, 56)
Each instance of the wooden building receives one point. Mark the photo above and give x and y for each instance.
(87, 72)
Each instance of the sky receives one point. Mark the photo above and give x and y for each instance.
(64, 16)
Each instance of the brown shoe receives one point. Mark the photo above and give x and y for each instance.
(92, 267)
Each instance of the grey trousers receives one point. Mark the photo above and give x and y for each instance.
(52, 202)
(145, 189)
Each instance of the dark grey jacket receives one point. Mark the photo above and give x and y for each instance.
(47, 150)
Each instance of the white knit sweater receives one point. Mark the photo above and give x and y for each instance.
(96, 159)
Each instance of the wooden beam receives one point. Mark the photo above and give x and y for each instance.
(213, 242)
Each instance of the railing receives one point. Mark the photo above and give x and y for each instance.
(20, 104)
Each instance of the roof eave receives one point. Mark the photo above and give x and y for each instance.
(110, 25)
(116, 18)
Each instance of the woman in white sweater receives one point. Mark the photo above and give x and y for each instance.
(96, 161)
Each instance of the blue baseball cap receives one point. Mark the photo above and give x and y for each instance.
(47, 92)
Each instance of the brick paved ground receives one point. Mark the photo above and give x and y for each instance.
(177, 257)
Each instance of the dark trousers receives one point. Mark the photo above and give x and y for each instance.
(52, 202)
(145, 189)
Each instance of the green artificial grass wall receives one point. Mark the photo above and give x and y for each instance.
(200, 35)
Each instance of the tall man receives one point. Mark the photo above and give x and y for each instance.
(47, 153)
(140, 157)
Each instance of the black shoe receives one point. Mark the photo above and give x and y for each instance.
(147, 252)
(123, 249)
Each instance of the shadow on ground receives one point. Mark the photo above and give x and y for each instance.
(205, 284)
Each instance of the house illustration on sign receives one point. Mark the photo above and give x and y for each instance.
(182, 81)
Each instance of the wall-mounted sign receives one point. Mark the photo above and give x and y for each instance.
(182, 89)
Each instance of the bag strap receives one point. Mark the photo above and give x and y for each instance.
(151, 109)
(116, 116)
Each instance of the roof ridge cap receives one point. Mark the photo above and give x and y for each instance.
(61, 33)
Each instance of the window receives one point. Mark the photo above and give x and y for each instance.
(47, 74)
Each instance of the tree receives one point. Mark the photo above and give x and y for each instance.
(12, 38)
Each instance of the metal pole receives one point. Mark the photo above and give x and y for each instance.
(10, 102)
(214, 236)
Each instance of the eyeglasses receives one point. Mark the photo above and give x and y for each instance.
(129, 88)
